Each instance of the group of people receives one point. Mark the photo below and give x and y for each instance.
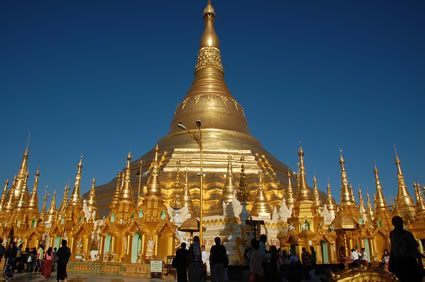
(273, 264)
(359, 256)
(33, 260)
(191, 263)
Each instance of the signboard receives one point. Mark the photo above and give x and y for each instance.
(156, 268)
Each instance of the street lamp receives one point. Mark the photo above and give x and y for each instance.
(198, 138)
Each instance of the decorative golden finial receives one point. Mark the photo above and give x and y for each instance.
(126, 194)
(346, 199)
(75, 200)
(362, 207)
(420, 204)
(261, 206)
(4, 194)
(242, 194)
(229, 187)
(187, 198)
(51, 214)
(91, 202)
(43, 207)
(116, 197)
(405, 204)
(353, 199)
(64, 204)
(380, 203)
(303, 191)
(316, 196)
(370, 212)
(20, 179)
(290, 201)
(154, 187)
(177, 201)
(330, 202)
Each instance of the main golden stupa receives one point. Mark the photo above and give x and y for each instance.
(210, 154)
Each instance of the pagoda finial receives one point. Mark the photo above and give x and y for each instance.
(51, 214)
(229, 188)
(316, 196)
(369, 207)
(75, 200)
(154, 187)
(290, 201)
(380, 203)
(242, 193)
(20, 179)
(44, 205)
(420, 203)
(23, 198)
(353, 199)
(303, 191)
(261, 206)
(177, 201)
(346, 199)
(64, 203)
(116, 197)
(126, 194)
(187, 198)
(4, 194)
(362, 207)
(330, 202)
(405, 204)
(91, 202)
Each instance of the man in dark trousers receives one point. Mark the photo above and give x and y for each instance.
(180, 263)
(219, 261)
(405, 258)
(63, 255)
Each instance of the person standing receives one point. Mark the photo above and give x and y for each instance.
(219, 261)
(263, 241)
(10, 253)
(195, 261)
(63, 254)
(306, 257)
(47, 264)
(204, 261)
(256, 270)
(40, 256)
(386, 260)
(405, 259)
(2, 250)
(55, 259)
(181, 263)
(313, 255)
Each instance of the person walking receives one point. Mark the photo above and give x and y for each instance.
(218, 260)
(63, 254)
(405, 259)
(47, 264)
(195, 261)
(40, 257)
(181, 263)
(10, 254)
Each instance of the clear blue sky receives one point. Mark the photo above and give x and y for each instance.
(103, 78)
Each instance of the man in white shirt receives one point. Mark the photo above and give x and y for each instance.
(354, 255)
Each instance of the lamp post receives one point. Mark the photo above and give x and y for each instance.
(198, 139)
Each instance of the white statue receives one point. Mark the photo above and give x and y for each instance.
(232, 209)
(275, 215)
(284, 212)
(150, 248)
(327, 216)
(291, 227)
(87, 214)
(178, 216)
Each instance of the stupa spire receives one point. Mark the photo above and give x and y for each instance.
(4, 194)
(369, 207)
(346, 199)
(316, 197)
(126, 194)
(91, 201)
(51, 214)
(23, 197)
(330, 202)
(177, 201)
(353, 199)
(229, 188)
(261, 206)
(242, 193)
(187, 198)
(303, 191)
(75, 200)
(43, 206)
(20, 179)
(420, 204)
(362, 207)
(290, 200)
(116, 197)
(380, 203)
(154, 187)
(64, 203)
(33, 201)
(405, 204)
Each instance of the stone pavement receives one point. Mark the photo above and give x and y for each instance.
(74, 277)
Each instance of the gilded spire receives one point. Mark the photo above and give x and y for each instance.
(362, 207)
(242, 193)
(316, 196)
(154, 187)
(380, 203)
(10, 204)
(303, 191)
(75, 200)
(33, 201)
(126, 194)
(51, 214)
(187, 199)
(229, 188)
(405, 204)
(91, 202)
(290, 200)
(420, 204)
(330, 202)
(177, 201)
(116, 197)
(353, 199)
(64, 203)
(4, 194)
(346, 199)
(23, 198)
(43, 207)
(261, 206)
(369, 207)
(21, 177)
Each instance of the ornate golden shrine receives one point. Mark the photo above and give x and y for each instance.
(130, 220)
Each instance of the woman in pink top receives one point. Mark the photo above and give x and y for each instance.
(47, 263)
